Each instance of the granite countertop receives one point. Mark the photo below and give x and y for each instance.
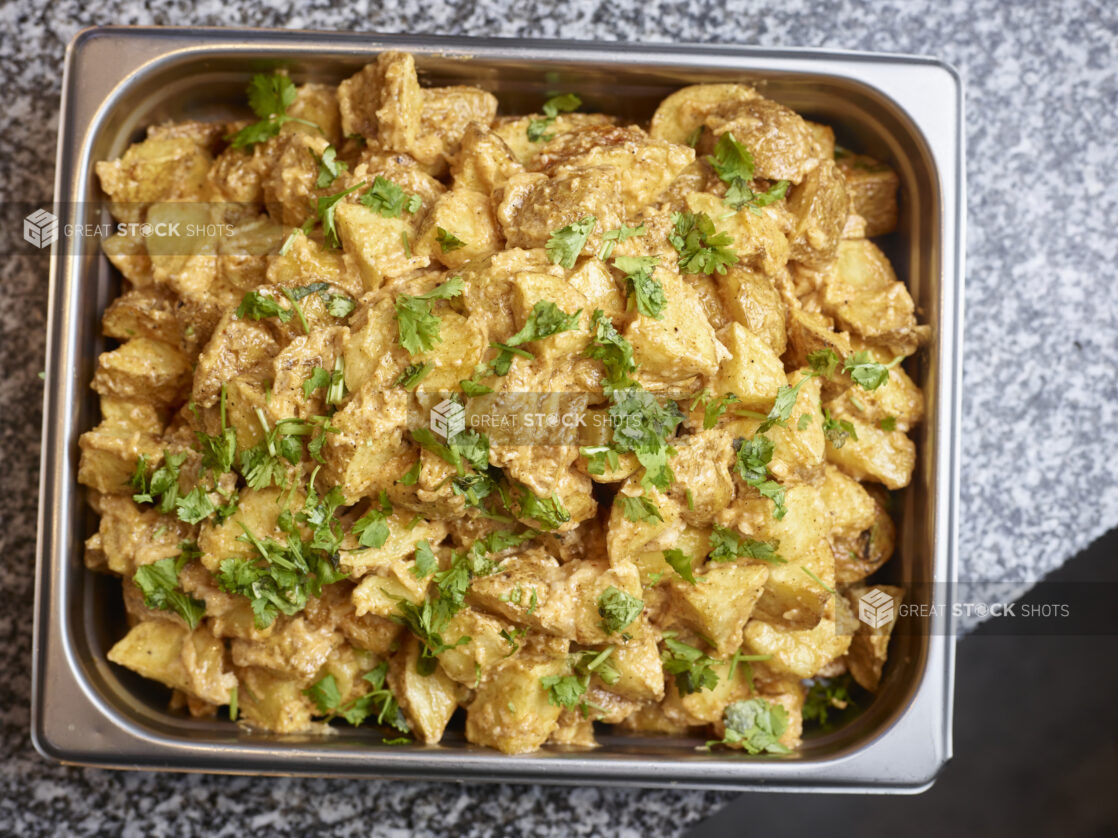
(1040, 367)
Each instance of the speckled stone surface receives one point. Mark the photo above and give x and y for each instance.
(1041, 362)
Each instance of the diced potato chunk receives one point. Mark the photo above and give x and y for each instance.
(428, 701)
(511, 711)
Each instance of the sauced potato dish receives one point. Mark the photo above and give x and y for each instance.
(547, 420)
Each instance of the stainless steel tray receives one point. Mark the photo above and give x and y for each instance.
(118, 80)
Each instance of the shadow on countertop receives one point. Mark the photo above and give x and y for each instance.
(1036, 745)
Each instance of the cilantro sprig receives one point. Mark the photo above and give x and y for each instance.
(701, 248)
(418, 328)
(269, 96)
(648, 292)
(728, 545)
(378, 702)
(618, 609)
(755, 725)
(566, 243)
(388, 199)
(159, 583)
(563, 103)
(733, 163)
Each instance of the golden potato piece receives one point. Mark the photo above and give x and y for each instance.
(511, 710)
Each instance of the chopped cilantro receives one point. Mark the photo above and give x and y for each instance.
(700, 247)
(618, 609)
(566, 243)
(159, 583)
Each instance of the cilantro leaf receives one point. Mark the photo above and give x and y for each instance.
(159, 583)
(388, 199)
(256, 306)
(549, 513)
(867, 372)
(425, 561)
(639, 509)
(418, 328)
(599, 458)
(755, 725)
(731, 160)
(448, 241)
(371, 528)
(752, 461)
(681, 564)
(319, 377)
(411, 376)
(329, 167)
(693, 670)
(889, 423)
(325, 207)
(566, 243)
(825, 695)
(545, 319)
(837, 431)
(823, 362)
(615, 353)
(563, 103)
(646, 290)
(563, 690)
(269, 96)
(700, 247)
(641, 425)
(728, 545)
(195, 506)
(618, 609)
(620, 234)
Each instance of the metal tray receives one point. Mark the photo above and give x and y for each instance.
(905, 110)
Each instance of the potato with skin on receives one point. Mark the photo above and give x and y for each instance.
(130, 536)
(897, 402)
(172, 169)
(383, 248)
(759, 241)
(306, 261)
(791, 596)
(294, 649)
(465, 215)
(290, 184)
(142, 312)
(886, 457)
(317, 103)
(565, 601)
(706, 706)
(638, 665)
(129, 254)
(384, 101)
(783, 146)
(797, 652)
(273, 703)
(447, 113)
(752, 372)
(468, 662)
(488, 292)
(627, 538)
(811, 331)
(784, 690)
(169, 652)
(240, 350)
(869, 648)
(531, 206)
(428, 701)
(394, 555)
(511, 710)
(684, 112)
(872, 187)
(864, 296)
(513, 130)
(258, 511)
(646, 166)
(718, 606)
(678, 346)
(143, 370)
(819, 205)
(797, 451)
(702, 486)
(109, 452)
(750, 298)
(483, 161)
